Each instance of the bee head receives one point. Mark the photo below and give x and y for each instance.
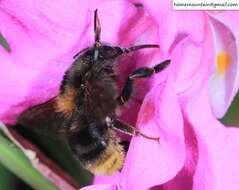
(110, 52)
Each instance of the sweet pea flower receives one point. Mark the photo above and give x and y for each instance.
(181, 104)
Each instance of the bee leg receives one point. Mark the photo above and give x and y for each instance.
(125, 128)
(97, 30)
(142, 72)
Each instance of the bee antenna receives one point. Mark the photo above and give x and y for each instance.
(135, 48)
(97, 28)
(97, 31)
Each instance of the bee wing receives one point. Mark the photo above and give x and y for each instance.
(43, 118)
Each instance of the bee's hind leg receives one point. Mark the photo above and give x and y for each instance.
(125, 128)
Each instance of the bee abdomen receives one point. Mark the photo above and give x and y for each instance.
(99, 154)
(88, 143)
(110, 160)
(90, 154)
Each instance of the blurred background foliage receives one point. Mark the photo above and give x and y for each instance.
(232, 116)
(4, 43)
(9, 181)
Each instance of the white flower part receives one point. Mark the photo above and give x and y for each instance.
(224, 81)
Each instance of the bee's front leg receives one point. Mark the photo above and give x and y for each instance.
(141, 72)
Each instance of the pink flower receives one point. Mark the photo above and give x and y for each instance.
(180, 104)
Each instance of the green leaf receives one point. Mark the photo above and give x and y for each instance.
(231, 117)
(4, 43)
(13, 158)
(7, 179)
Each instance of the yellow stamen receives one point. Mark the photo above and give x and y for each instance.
(223, 62)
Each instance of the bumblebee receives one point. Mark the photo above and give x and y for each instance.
(85, 109)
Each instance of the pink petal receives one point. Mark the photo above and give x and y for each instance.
(148, 162)
(43, 37)
(211, 151)
(100, 187)
(187, 70)
(175, 25)
(217, 166)
(224, 83)
(187, 43)
(191, 64)
(113, 179)
(184, 179)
